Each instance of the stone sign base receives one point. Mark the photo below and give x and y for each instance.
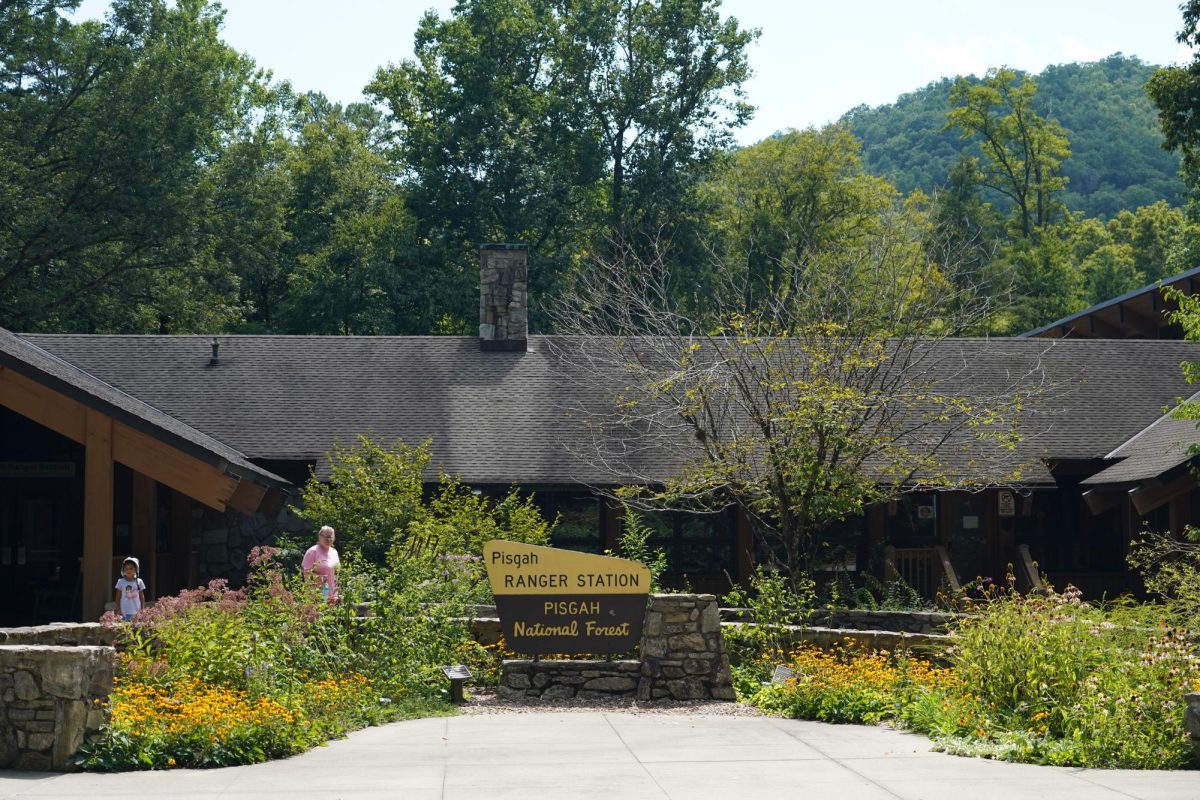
(683, 658)
(563, 680)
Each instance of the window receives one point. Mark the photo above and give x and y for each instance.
(695, 544)
(912, 520)
(580, 520)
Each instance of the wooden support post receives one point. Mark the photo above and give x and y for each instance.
(745, 547)
(97, 515)
(1028, 569)
(951, 579)
(145, 533)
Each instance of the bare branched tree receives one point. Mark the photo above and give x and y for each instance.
(844, 387)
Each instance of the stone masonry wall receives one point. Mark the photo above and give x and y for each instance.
(859, 620)
(503, 293)
(51, 700)
(61, 634)
(563, 680)
(930, 644)
(683, 650)
(683, 658)
(221, 540)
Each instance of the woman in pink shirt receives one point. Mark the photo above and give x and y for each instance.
(321, 561)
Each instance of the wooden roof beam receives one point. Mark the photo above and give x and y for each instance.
(171, 467)
(1101, 328)
(247, 497)
(1100, 500)
(1146, 497)
(43, 405)
(1137, 321)
(140, 451)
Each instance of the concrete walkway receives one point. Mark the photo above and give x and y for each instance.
(616, 755)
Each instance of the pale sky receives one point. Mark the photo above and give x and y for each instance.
(813, 62)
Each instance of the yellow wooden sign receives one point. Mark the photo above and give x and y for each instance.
(561, 601)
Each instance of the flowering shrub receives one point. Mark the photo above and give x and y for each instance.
(191, 725)
(849, 684)
(1048, 680)
(219, 677)
(1055, 680)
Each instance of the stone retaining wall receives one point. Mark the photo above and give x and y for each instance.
(51, 700)
(931, 644)
(905, 621)
(61, 634)
(859, 620)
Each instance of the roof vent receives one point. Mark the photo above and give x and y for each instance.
(215, 358)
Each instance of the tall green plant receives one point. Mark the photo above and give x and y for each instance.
(634, 544)
(773, 601)
(376, 500)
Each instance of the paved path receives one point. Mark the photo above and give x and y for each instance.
(620, 756)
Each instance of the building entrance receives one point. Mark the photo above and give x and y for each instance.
(41, 523)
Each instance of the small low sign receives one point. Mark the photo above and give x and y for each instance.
(457, 672)
(782, 674)
(560, 601)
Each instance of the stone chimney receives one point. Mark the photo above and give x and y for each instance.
(503, 297)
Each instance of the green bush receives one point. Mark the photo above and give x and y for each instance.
(219, 677)
(634, 544)
(285, 670)
(772, 604)
(1041, 679)
(375, 499)
(847, 685)
(1054, 680)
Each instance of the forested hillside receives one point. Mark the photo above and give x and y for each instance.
(1117, 160)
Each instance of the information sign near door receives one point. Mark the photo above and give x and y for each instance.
(560, 601)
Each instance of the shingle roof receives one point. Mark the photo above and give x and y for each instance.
(500, 418)
(29, 359)
(1164, 445)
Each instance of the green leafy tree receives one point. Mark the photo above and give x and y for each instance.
(1045, 280)
(659, 82)
(783, 203)
(822, 400)
(1117, 160)
(965, 227)
(106, 131)
(560, 124)
(348, 228)
(1022, 152)
(375, 499)
(1176, 93)
(489, 144)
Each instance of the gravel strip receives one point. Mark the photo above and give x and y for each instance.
(487, 701)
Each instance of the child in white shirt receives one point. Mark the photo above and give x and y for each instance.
(131, 592)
